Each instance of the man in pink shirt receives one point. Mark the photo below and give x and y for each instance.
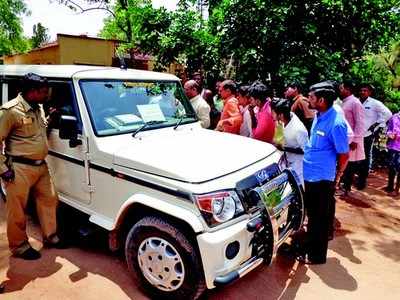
(355, 116)
(263, 124)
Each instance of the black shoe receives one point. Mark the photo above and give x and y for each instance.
(388, 189)
(54, 242)
(58, 245)
(28, 254)
(360, 187)
(308, 261)
(286, 250)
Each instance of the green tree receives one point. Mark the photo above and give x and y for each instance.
(283, 40)
(390, 60)
(303, 40)
(178, 36)
(121, 23)
(40, 35)
(382, 70)
(11, 33)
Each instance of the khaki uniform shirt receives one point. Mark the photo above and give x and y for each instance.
(23, 131)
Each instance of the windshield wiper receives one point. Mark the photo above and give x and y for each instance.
(181, 119)
(146, 125)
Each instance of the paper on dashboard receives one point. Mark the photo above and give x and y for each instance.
(151, 112)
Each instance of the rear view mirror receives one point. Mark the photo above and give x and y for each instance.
(69, 130)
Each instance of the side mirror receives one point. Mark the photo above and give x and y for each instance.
(69, 130)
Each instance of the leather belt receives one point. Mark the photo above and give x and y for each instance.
(27, 161)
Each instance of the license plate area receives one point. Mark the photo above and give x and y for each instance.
(276, 197)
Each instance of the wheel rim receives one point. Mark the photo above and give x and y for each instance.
(161, 264)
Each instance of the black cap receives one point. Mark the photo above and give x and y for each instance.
(32, 77)
(33, 81)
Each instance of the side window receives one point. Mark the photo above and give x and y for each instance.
(61, 102)
(13, 88)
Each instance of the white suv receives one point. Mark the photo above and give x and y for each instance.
(193, 208)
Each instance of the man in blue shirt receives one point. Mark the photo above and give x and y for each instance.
(325, 158)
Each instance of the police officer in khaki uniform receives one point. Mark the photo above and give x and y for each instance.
(23, 169)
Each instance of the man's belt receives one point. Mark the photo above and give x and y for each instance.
(27, 161)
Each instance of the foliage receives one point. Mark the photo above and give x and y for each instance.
(382, 70)
(303, 40)
(40, 35)
(11, 33)
(283, 40)
(177, 36)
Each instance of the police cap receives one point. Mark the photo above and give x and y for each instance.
(32, 81)
(324, 86)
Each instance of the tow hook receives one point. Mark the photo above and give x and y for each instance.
(263, 241)
(255, 225)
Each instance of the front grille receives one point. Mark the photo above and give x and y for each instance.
(278, 193)
(247, 187)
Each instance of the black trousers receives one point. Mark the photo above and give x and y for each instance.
(348, 175)
(320, 207)
(394, 169)
(364, 165)
(392, 174)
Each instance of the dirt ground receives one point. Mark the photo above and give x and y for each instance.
(363, 263)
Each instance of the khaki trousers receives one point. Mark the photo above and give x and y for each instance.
(37, 181)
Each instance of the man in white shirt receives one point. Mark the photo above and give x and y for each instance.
(294, 132)
(376, 115)
(244, 102)
(201, 107)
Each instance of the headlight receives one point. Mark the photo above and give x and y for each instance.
(283, 163)
(219, 207)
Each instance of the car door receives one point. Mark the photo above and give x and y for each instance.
(66, 163)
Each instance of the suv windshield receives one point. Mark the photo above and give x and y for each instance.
(118, 106)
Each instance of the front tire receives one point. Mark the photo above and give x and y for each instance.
(164, 260)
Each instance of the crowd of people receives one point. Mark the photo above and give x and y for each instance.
(327, 138)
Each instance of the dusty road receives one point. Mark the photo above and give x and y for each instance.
(363, 263)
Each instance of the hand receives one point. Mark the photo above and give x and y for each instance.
(8, 176)
(219, 127)
(337, 179)
(52, 110)
(227, 122)
(391, 136)
(353, 146)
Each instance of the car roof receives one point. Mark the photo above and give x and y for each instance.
(83, 72)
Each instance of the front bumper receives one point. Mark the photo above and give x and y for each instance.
(258, 239)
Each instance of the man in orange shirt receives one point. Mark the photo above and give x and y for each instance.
(231, 118)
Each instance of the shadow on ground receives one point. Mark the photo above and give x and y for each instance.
(282, 280)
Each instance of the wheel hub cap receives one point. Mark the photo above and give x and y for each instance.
(161, 264)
